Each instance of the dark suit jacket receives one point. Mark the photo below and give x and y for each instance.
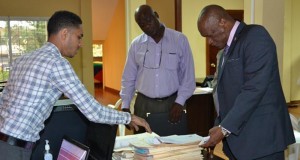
(252, 104)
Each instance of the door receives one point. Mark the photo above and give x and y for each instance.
(211, 52)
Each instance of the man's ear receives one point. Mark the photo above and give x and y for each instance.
(222, 22)
(63, 33)
(156, 14)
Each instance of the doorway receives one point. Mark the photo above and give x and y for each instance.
(97, 63)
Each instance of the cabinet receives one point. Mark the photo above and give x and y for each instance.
(200, 113)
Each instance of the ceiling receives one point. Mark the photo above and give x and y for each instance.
(102, 13)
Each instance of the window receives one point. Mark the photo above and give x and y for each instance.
(97, 49)
(18, 36)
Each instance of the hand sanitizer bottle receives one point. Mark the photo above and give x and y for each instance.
(47, 155)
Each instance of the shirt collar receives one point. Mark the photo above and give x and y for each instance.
(232, 32)
(53, 47)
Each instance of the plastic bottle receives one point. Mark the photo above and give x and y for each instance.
(47, 155)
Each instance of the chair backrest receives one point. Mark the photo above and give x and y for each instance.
(121, 127)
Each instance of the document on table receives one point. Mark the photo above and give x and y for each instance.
(122, 142)
(180, 139)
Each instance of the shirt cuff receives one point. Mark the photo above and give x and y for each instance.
(125, 104)
(127, 117)
(180, 100)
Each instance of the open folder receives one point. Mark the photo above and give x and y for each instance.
(159, 123)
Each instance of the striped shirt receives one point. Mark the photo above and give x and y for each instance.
(36, 82)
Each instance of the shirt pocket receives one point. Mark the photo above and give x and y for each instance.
(233, 62)
(140, 55)
(170, 60)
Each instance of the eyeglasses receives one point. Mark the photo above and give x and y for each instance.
(150, 59)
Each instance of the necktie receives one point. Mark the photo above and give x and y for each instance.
(224, 54)
(215, 94)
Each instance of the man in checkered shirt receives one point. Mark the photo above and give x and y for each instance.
(36, 82)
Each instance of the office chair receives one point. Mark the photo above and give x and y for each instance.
(121, 127)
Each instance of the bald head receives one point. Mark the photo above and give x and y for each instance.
(215, 24)
(215, 11)
(142, 11)
(148, 21)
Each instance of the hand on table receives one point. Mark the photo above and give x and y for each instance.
(175, 113)
(215, 136)
(138, 121)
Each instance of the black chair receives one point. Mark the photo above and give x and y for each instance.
(64, 120)
(101, 140)
(159, 123)
(67, 120)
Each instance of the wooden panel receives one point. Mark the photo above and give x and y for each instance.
(200, 114)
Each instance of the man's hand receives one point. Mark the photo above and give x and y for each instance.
(216, 136)
(175, 113)
(138, 121)
(127, 110)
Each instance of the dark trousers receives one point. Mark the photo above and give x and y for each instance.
(274, 156)
(144, 105)
(9, 152)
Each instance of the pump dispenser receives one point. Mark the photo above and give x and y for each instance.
(47, 155)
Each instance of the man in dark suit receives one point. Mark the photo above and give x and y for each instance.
(253, 121)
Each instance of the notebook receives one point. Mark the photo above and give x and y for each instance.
(71, 149)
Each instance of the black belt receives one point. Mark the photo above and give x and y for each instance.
(16, 142)
(158, 99)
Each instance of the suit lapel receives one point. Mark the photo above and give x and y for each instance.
(231, 47)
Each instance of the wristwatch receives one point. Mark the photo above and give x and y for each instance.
(225, 132)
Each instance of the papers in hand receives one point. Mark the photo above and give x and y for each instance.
(204, 140)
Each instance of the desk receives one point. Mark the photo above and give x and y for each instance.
(200, 113)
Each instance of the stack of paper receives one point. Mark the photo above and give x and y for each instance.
(172, 147)
(124, 151)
